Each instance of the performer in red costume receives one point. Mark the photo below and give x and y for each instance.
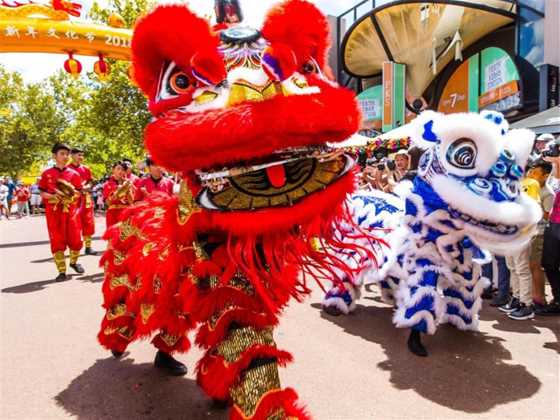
(245, 116)
(118, 192)
(86, 207)
(154, 181)
(60, 189)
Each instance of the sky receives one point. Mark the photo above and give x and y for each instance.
(35, 67)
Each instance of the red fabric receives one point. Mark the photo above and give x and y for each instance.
(148, 185)
(116, 205)
(47, 183)
(64, 227)
(87, 217)
(22, 194)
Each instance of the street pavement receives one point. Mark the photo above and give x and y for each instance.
(354, 367)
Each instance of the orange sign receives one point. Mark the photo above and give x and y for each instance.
(387, 93)
(455, 96)
(504, 91)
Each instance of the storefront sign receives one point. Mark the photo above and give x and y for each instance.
(371, 105)
(393, 95)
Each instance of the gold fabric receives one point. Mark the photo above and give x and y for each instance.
(412, 32)
(117, 311)
(240, 339)
(87, 241)
(74, 255)
(60, 261)
(187, 204)
(254, 385)
(123, 281)
(146, 311)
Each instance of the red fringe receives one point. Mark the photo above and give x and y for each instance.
(215, 376)
(271, 402)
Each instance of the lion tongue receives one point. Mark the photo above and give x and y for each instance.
(276, 175)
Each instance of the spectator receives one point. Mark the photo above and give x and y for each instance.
(4, 199)
(35, 197)
(22, 197)
(540, 171)
(402, 163)
(520, 307)
(155, 181)
(551, 245)
(11, 194)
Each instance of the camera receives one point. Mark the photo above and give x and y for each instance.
(391, 165)
(381, 166)
(552, 149)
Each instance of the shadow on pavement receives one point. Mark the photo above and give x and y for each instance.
(40, 285)
(36, 243)
(469, 372)
(503, 323)
(120, 389)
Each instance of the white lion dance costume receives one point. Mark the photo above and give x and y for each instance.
(466, 200)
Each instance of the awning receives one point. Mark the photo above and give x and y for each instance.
(418, 33)
(544, 122)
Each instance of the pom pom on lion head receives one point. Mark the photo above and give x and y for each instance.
(246, 114)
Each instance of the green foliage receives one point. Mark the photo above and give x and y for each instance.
(106, 118)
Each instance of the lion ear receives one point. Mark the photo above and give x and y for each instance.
(174, 33)
(302, 27)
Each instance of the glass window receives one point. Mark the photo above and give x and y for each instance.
(531, 33)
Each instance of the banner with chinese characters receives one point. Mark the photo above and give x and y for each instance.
(39, 28)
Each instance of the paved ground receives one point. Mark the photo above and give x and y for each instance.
(345, 368)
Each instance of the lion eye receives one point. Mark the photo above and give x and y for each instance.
(174, 82)
(310, 67)
(462, 153)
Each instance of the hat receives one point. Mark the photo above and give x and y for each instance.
(402, 152)
(60, 146)
(77, 149)
(546, 137)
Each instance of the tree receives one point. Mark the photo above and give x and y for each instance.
(29, 126)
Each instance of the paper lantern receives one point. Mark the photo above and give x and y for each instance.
(101, 68)
(73, 66)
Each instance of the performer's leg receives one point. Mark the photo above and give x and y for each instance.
(57, 239)
(88, 226)
(418, 308)
(241, 361)
(74, 240)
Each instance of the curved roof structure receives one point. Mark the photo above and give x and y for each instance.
(420, 33)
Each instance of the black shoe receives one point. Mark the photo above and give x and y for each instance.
(499, 301)
(552, 309)
(332, 310)
(77, 268)
(90, 251)
(167, 362)
(61, 277)
(220, 404)
(511, 306)
(415, 344)
(522, 313)
(117, 354)
(539, 308)
(487, 295)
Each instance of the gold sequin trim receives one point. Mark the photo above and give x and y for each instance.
(119, 281)
(169, 339)
(240, 339)
(127, 230)
(116, 312)
(118, 257)
(164, 254)
(147, 248)
(187, 204)
(146, 311)
(255, 384)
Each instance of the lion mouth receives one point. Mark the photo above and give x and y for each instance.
(497, 228)
(281, 180)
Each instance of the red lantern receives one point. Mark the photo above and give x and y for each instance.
(73, 66)
(101, 68)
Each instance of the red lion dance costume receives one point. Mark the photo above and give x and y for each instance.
(245, 116)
